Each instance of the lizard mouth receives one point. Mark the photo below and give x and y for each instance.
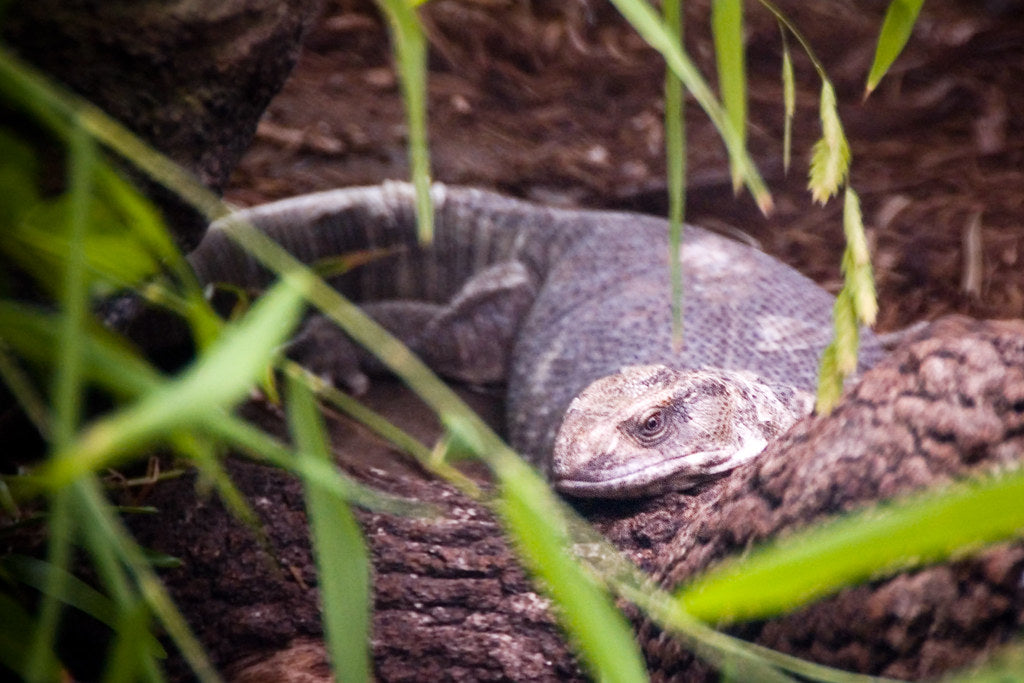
(656, 475)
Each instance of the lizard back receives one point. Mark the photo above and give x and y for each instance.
(603, 298)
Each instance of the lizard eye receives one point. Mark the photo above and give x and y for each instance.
(652, 425)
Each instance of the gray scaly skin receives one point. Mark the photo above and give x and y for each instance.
(649, 429)
(547, 300)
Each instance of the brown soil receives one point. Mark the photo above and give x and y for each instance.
(561, 102)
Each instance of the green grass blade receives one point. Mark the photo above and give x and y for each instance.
(68, 385)
(830, 158)
(788, 101)
(107, 361)
(899, 21)
(241, 435)
(812, 564)
(830, 378)
(675, 163)
(342, 562)
(410, 46)
(23, 389)
(857, 261)
(76, 593)
(218, 379)
(855, 305)
(727, 32)
(125, 243)
(67, 396)
(40, 651)
(16, 636)
(352, 407)
(131, 624)
(104, 521)
(1005, 666)
(126, 661)
(601, 633)
(660, 37)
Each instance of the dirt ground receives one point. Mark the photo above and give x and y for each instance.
(561, 102)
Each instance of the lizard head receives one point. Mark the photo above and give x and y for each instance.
(650, 429)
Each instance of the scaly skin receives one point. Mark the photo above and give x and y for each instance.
(649, 429)
(547, 300)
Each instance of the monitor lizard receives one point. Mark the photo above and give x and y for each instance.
(551, 301)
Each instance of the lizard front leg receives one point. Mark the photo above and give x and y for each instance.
(468, 339)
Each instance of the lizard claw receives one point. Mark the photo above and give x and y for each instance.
(325, 350)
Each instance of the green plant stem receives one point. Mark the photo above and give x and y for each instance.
(66, 395)
(410, 47)
(675, 166)
(654, 31)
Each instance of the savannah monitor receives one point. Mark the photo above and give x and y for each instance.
(571, 310)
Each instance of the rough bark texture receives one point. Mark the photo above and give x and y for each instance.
(191, 78)
(451, 602)
(948, 405)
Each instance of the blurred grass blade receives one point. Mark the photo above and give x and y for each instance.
(126, 660)
(830, 158)
(410, 46)
(16, 631)
(67, 396)
(107, 361)
(727, 32)
(654, 31)
(113, 366)
(68, 384)
(203, 454)
(352, 407)
(19, 176)
(788, 101)
(133, 628)
(601, 633)
(133, 645)
(261, 446)
(830, 379)
(124, 243)
(817, 562)
(27, 88)
(104, 522)
(1003, 666)
(675, 166)
(216, 381)
(900, 18)
(24, 391)
(856, 304)
(58, 555)
(857, 261)
(342, 563)
(75, 592)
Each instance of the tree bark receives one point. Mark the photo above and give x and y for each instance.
(191, 78)
(450, 600)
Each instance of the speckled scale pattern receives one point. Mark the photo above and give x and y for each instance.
(603, 297)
